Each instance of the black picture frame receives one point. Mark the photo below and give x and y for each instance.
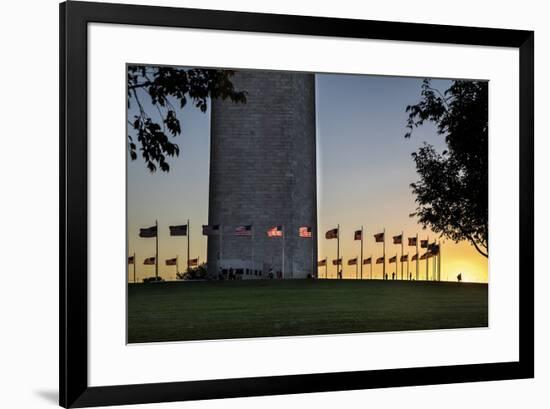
(73, 255)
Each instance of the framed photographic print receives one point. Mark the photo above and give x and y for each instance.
(259, 204)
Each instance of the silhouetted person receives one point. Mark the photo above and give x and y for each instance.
(459, 277)
(410, 276)
(393, 276)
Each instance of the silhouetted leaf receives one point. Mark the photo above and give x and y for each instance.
(164, 86)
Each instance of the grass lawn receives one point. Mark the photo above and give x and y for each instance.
(176, 311)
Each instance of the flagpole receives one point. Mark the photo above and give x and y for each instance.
(283, 258)
(252, 244)
(220, 253)
(357, 269)
(157, 251)
(427, 270)
(338, 252)
(326, 267)
(408, 271)
(384, 256)
(314, 271)
(439, 260)
(362, 252)
(134, 267)
(435, 267)
(402, 238)
(417, 256)
(434, 264)
(188, 249)
(371, 266)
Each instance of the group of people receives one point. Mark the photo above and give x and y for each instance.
(231, 274)
(394, 276)
(236, 274)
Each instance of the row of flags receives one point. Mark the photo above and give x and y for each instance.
(151, 261)
(211, 230)
(152, 232)
(379, 237)
(303, 231)
(214, 229)
(432, 250)
(379, 260)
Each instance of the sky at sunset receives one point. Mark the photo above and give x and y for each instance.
(364, 169)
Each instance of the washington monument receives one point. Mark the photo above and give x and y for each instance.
(263, 174)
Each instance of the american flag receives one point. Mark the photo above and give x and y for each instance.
(148, 232)
(404, 258)
(332, 234)
(244, 230)
(275, 231)
(322, 263)
(412, 241)
(367, 260)
(193, 262)
(352, 261)
(358, 235)
(337, 262)
(304, 231)
(398, 239)
(424, 243)
(380, 260)
(425, 255)
(149, 261)
(415, 257)
(172, 261)
(434, 249)
(379, 237)
(393, 259)
(210, 229)
(131, 260)
(180, 230)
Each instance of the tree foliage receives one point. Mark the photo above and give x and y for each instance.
(152, 279)
(452, 193)
(194, 273)
(167, 90)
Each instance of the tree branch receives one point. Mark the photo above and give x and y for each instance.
(476, 246)
(136, 86)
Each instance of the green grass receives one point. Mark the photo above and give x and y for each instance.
(176, 311)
